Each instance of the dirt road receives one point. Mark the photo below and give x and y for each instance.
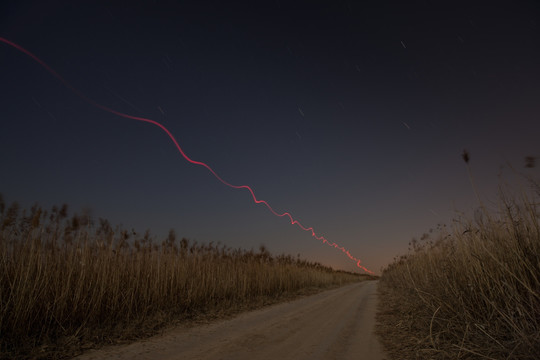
(335, 324)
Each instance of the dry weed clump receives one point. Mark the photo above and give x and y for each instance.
(474, 293)
(67, 284)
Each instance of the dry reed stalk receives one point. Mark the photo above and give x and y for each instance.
(481, 280)
(66, 284)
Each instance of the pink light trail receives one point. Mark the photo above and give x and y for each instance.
(118, 113)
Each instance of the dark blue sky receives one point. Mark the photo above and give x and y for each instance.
(350, 115)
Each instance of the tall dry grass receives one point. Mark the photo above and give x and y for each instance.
(67, 284)
(471, 293)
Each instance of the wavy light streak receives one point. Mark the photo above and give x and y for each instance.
(153, 122)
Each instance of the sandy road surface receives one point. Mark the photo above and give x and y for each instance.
(335, 324)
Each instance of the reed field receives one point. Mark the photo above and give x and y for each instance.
(68, 284)
(470, 292)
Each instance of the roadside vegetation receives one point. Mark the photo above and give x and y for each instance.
(469, 292)
(68, 284)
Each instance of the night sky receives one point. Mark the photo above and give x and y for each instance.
(350, 115)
